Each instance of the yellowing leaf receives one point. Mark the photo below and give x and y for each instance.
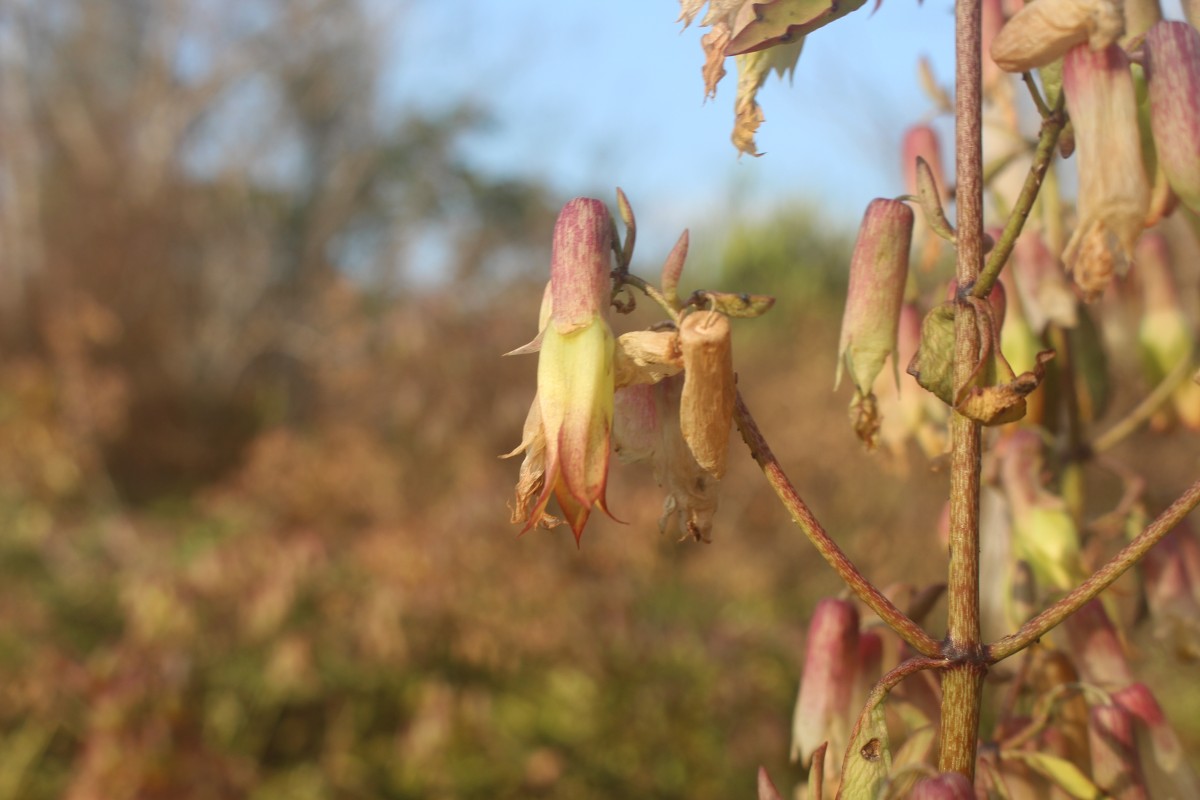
(1061, 772)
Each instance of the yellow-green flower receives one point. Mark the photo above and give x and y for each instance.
(567, 436)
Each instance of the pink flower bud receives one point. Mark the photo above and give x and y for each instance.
(947, 786)
(830, 665)
(1114, 195)
(1173, 69)
(878, 272)
(1040, 33)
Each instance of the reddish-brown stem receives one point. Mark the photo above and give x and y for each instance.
(896, 619)
(1100, 580)
(962, 682)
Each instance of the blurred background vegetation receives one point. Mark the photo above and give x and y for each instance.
(254, 537)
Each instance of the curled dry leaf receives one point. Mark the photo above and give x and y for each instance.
(782, 22)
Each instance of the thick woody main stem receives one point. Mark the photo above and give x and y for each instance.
(962, 682)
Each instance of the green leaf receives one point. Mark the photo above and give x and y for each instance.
(868, 758)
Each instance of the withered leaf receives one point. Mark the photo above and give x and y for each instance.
(1004, 402)
(933, 365)
(784, 21)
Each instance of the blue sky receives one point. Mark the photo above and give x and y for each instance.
(589, 95)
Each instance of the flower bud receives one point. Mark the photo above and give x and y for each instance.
(1114, 195)
(1173, 71)
(830, 666)
(946, 786)
(878, 272)
(1041, 32)
(706, 407)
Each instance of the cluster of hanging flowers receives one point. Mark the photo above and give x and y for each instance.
(664, 396)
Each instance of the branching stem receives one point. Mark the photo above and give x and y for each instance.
(1100, 580)
(896, 619)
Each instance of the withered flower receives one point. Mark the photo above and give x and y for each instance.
(1114, 195)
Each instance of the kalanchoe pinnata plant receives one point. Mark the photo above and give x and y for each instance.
(1014, 399)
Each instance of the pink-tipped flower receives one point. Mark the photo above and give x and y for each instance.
(1173, 69)
(1040, 33)
(1114, 195)
(570, 428)
(830, 667)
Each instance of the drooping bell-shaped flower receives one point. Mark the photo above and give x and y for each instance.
(1173, 71)
(569, 430)
(823, 710)
(878, 272)
(1114, 195)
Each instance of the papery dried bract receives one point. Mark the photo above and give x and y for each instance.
(1114, 195)
(1041, 32)
(692, 492)
(706, 403)
(1172, 63)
